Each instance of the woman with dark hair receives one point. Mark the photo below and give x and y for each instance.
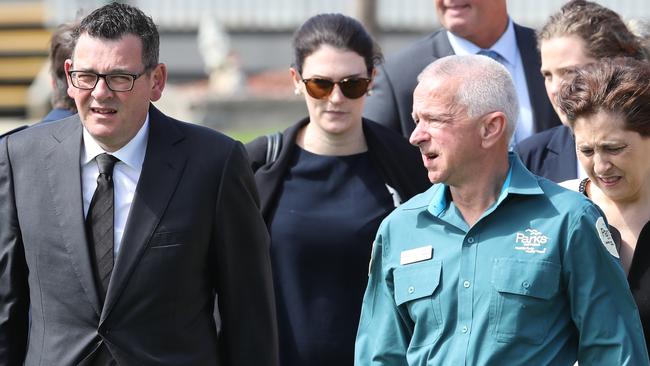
(607, 106)
(580, 33)
(325, 186)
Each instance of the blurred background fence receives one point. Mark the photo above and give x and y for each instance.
(287, 14)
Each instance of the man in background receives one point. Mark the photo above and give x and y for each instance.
(61, 46)
(469, 27)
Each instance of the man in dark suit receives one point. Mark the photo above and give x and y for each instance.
(120, 225)
(475, 26)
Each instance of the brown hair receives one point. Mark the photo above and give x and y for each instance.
(602, 30)
(617, 85)
(61, 47)
(339, 31)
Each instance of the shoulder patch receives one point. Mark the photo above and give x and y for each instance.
(606, 237)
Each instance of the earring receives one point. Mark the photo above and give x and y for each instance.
(369, 92)
(297, 91)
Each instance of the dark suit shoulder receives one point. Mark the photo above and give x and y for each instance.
(535, 143)
(196, 131)
(533, 150)
(422, 52)
(550, 154)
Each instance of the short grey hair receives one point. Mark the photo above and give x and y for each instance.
(484, 86)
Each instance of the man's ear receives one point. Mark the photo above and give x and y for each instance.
(493, 128)
(158, 81)
(67, 66)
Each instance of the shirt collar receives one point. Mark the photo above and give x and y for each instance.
(131, 154)
(506, 45)
(518, 181)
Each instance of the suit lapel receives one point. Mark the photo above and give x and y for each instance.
(532, 65)
(64, 177)
(440, 46)
(564, 160)
(543, 115)
(161, 171)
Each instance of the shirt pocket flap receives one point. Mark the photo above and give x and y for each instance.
(416, 280)
(536, 278)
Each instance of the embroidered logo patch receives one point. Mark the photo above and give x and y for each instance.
(606, 237)
(531, 241)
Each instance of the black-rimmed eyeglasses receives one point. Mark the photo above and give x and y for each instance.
(117, 82)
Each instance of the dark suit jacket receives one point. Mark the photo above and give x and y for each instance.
(399, 163)
(193, 230)
(550, 154)
(391, 102)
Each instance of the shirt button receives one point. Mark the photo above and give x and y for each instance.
(411, 290)
(525, 284)
(466, 284)
(464, 329)
(470, 240)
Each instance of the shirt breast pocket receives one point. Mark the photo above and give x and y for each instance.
(415, 290)
(521, 296)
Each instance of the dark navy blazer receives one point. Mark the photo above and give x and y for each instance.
(550, 154)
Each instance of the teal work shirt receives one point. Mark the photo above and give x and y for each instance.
(536, 281)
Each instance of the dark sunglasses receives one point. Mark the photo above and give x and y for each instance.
(352, 88)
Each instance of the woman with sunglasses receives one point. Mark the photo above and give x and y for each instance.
(336, 177)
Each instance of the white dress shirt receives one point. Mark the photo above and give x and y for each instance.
(126, 174)
(506, 46)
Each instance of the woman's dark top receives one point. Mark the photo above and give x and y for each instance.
(333, 233)
(322, 229)
(639, 275)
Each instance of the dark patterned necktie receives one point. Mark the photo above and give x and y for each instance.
(99, 223)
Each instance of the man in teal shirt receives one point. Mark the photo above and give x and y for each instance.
(492, 265)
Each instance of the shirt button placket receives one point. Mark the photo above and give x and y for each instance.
(467, 275)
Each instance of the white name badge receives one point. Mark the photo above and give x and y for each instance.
(416, 255)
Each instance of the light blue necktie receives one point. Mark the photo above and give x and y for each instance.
(492, 54)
